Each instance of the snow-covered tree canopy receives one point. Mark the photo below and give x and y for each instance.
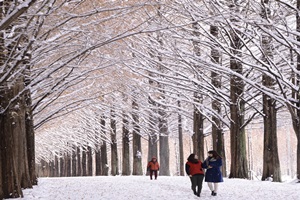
(88, 57)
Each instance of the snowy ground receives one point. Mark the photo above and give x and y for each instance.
(171, 187)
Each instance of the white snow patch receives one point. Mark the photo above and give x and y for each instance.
(166, 187)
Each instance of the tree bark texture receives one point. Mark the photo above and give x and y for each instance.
(198, 120)
(152, 147)
(136, 142)
(51, 168)
(29, 122)
(74, 161)
(239, 167)
(103, 150)
(153, 138)
(164, 151)
(84, 163)
(114, 148)
(17, 168)
(164, 156)
(56, 165)
(90, 161)
(104, 162)
(45, 171)
(98, 161)
(198, 136)
(271, 164)
(217, 127)
(126, 147)
(62, 166)
(30, 138)
(296, 118)
(68, 164)
(79, 162)
(180, 143)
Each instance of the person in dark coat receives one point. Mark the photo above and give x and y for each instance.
(213, 174)
(153, 167)
(193, 168)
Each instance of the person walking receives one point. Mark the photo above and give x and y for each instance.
(193, 168)
(153, 167)
(213, 174)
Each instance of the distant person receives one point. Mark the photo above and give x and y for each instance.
(193, 168)
(153, 167)
(213, 174)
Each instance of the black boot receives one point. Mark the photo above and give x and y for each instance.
(212, 193)
(195, 193)
(215, 194)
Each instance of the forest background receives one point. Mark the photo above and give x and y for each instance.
(99, 87)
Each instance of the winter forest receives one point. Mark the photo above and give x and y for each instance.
(98, 87)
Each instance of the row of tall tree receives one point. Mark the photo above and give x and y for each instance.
(219, 64)
(47, 49)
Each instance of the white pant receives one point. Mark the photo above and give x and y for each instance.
(213, 186)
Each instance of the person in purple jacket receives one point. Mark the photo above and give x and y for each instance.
(213, 174)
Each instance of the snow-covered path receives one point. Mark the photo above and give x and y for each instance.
(171, 187)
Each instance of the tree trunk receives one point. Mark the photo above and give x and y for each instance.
(83, 163)
(164, 152)
(90, 161)
(125, 149)
(198, 120)
(152, 140)
(1, 178)
(98, 161)
(180, 141)
(114, 146)
(30, 135)
(79, 162)
(2, 196)
(15, 172)
(152, 124)
(296, 116)
(298, 155)
(30, 138)
(295, 113)
(271, 164)
(68, 164)
(19, 133)
(51, 168)
(104, 162)
(17, 160)
(56, 165)
(136, 142)
(198, 137)
(2, 115)
(62, 166)
(45, 168)
(216, 80)
(152, 147)
(239, 168)
(74, 161)
(103, 150)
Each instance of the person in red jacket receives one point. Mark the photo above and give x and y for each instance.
(193, 168)
(153, 167)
